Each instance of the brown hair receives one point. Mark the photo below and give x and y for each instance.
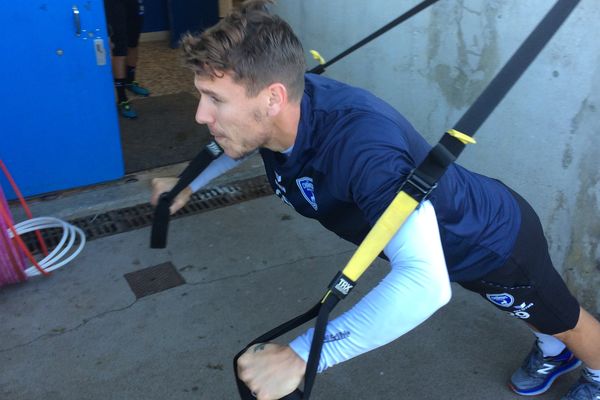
(258, 48)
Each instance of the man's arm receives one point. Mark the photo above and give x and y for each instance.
(216, 168)
(416, 287)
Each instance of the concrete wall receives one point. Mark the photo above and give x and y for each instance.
(543, 139)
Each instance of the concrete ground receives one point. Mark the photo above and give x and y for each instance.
(81, 334)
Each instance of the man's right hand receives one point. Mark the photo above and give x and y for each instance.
(162, 185)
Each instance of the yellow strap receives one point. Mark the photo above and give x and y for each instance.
(379, 236)
(386, 227)
(317, 57)
(464, 138)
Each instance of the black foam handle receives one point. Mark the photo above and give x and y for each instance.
(160, 223)
(321, 311)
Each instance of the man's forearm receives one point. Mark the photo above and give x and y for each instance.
(416, 287)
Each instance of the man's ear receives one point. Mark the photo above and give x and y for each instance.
(277, 98)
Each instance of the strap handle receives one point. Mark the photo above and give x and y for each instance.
(321, 311)
(160, 222)
(274, 333)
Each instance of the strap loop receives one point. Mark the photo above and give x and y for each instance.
(462, 137)
(317, 57)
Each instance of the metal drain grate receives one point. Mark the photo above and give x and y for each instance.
(130, 218)
(153, 280)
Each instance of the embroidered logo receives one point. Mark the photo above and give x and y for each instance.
(501, 299)
(307, 189)
(520, 311)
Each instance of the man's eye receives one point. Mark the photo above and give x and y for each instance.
(215, 99)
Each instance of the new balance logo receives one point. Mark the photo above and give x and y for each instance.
(343, 287)
(546, 369)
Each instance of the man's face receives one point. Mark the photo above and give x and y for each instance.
(239, 123)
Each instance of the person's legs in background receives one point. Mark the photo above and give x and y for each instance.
(135, 20)
(117, 28)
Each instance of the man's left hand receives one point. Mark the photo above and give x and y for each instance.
(271, 371)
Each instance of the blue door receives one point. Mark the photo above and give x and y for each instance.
(59, 127)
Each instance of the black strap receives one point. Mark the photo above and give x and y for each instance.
(269, 336)
(160, 223)
(449, 148)
(321, 311)
(319, 69)
(424, 178)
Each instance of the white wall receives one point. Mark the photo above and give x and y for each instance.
(543, 139)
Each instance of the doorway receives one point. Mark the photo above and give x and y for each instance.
(165, 131)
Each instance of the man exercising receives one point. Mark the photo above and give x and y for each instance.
(339, 154)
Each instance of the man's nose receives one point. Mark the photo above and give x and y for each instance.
(204, 115)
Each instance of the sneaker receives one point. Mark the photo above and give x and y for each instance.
(537, 373)
(584, 389)
(126, 110)
(137, 89)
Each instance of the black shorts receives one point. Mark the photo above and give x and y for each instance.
(124, 19)
(527, 286)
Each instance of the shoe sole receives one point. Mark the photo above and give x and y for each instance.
(543, 389)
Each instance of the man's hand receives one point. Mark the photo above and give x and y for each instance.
(162, 185)
(271, 371)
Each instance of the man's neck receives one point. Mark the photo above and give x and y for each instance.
(285, 127)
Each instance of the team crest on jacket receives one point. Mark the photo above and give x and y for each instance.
(307, 188)
(501, 299)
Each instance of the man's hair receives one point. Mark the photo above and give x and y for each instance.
(258, 48)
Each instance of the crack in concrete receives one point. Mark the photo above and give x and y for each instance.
(85, 321)
(52, 335)
(269, 268)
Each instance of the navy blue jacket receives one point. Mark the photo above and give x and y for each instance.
(352, 153)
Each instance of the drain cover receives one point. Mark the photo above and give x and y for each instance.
(139, 216)
(154, 279)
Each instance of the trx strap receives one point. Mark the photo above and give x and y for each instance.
(319, 69)
(419, 184)
(160, 223)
